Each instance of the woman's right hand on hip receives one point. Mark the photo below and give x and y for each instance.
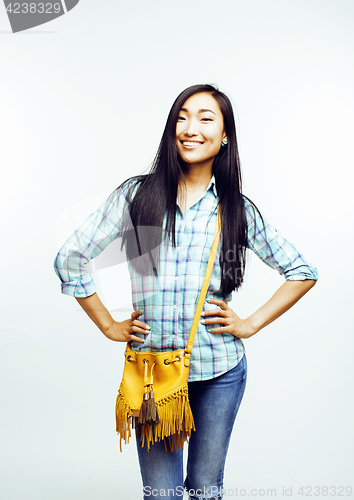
(125, 331)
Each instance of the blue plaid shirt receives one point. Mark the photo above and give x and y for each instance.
(169, 299)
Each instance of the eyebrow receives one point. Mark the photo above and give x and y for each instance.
(199, 111)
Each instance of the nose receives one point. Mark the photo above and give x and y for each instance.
(191, 129)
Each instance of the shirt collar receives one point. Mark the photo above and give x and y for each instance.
(212, 186)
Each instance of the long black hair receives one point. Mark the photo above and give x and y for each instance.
(156, 195)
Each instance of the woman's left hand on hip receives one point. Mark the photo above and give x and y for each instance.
(228, 319)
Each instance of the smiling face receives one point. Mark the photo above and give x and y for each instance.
(199, 130)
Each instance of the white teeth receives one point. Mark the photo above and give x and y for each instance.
(188, 143)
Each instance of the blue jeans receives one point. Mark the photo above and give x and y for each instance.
(214, 405)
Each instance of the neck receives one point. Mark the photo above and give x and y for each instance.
(197, 178)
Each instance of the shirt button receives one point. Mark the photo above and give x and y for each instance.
(178, 249)
(174, 307)
(176, 278)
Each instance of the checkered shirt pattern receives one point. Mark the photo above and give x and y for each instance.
(169, 299)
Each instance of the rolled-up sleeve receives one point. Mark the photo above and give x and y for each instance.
(72, 263)
(275, 251)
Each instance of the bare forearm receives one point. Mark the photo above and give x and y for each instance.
(120, 331)
(94, 308)
(284, 298)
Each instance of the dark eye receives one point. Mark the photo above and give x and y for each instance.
(206, 120)
(181, 118)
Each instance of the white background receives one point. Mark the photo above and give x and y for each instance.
(83, 102)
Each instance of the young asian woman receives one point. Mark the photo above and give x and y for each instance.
(166, 221)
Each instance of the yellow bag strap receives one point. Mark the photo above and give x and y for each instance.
(204, 288)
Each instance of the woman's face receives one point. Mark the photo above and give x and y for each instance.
(199, 130)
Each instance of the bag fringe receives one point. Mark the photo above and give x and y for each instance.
(123, 416)
(175, 415)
